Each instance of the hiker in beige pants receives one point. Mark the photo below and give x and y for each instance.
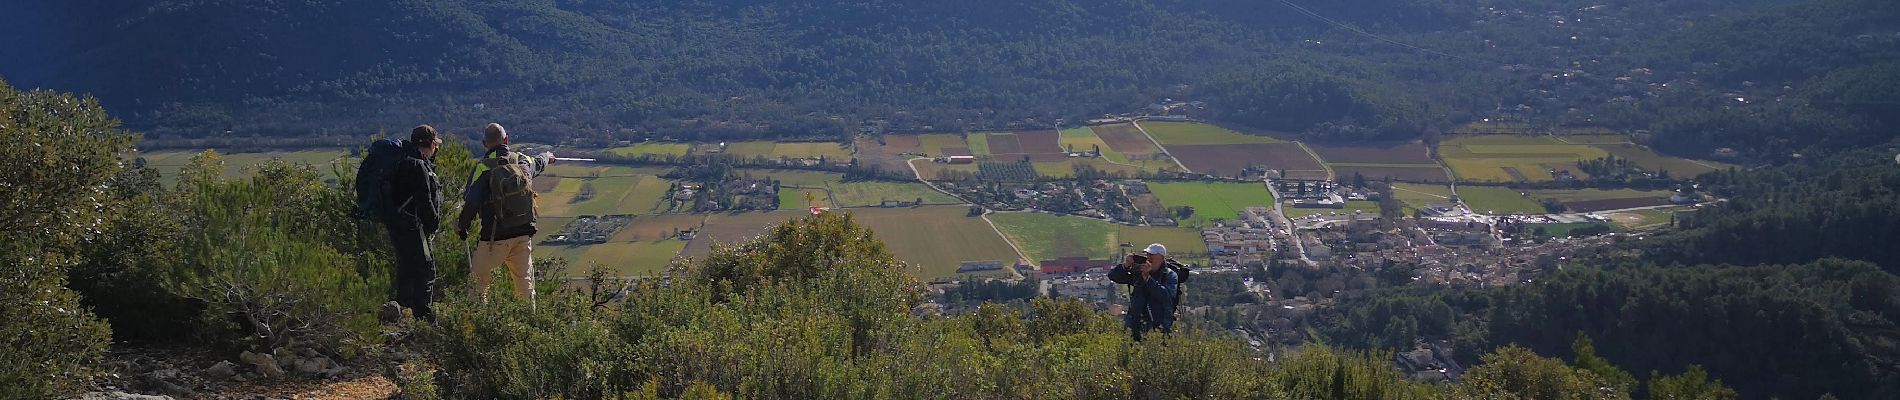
(501, 194)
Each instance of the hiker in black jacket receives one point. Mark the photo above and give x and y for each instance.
(414, 191)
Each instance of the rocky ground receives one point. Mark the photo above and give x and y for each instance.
(296, 371)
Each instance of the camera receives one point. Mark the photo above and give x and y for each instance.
(1139, 259)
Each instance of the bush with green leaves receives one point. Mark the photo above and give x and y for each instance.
(61, 151)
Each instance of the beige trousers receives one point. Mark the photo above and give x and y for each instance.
(516, 253)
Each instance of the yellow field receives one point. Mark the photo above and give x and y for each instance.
(628, 258)
(936, 239)
(1485, 158)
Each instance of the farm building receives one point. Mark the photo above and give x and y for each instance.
(962, 159)
(979, 266)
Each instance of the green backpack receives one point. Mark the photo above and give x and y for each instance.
(510, 191)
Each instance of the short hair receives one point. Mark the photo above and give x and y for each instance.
(423, 135)
(494, 133)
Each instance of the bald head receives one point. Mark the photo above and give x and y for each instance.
(494, 135)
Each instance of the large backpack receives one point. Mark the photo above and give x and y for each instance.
(372, 180)
(510, 191)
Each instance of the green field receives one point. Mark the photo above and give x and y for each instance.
(1490, 158)
(1415, 195)
(1497, 200)
(828, 150)
(629, 258)
(1650, 160)
(1210, 200)
(1083, 139)
(1048, 236)
(170, 162)
(652, 148)
(871, 193)
(794, 197)
(1596, 194)
(1563, 230)
(1362, 207)
(934, 144)
(1646, 218)
(980, 142)
(1594, 139)
(744, 149)
(1183, 243)
(608, 192)
(935, 239)
(1190, 133)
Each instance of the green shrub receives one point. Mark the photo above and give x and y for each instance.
(61, 151)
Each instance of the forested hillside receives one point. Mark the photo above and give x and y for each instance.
(1377, 69)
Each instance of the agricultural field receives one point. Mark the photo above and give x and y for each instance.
(1415, 196)
(1591, 200)
(1360, 207)
(1650, 160)
(979, 142)
(733, 228)
(1083, 139)
(776, 150)
(1512, 158)
(739, 149)
(1594, 139)
(1066, 169)
(1193, 133)
(1231, 159)
(1404, 154)
(931, 170)
(1183, 243)
(794, 197)
(936, 239)
(1498, 200)
(1647, 218)
(934, 144)
(627, 258)
(652, 148)
(1126, 139)
(170, 162)
(615, 190)
(1563, 230)
(1048, 236)
(649, 228)
(1423, 173)
(1211, 199)
(871, 193)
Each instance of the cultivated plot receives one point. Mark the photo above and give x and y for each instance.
(1048, 236)
(1498, 200)
(1193, 133)
(1210, 200)
(1416, 196)
(1403, 154)
(936, 239)
(1425, 173)
(1126, 139)
(1513, 158)
(652, 149)
(1184, 244)
(1232, 159)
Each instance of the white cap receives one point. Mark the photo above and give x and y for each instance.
(1157, 249)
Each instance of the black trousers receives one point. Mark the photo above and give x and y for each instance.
(415, 270)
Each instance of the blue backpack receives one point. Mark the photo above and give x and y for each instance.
(372, 180)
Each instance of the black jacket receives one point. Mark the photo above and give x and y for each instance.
(415, 192)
